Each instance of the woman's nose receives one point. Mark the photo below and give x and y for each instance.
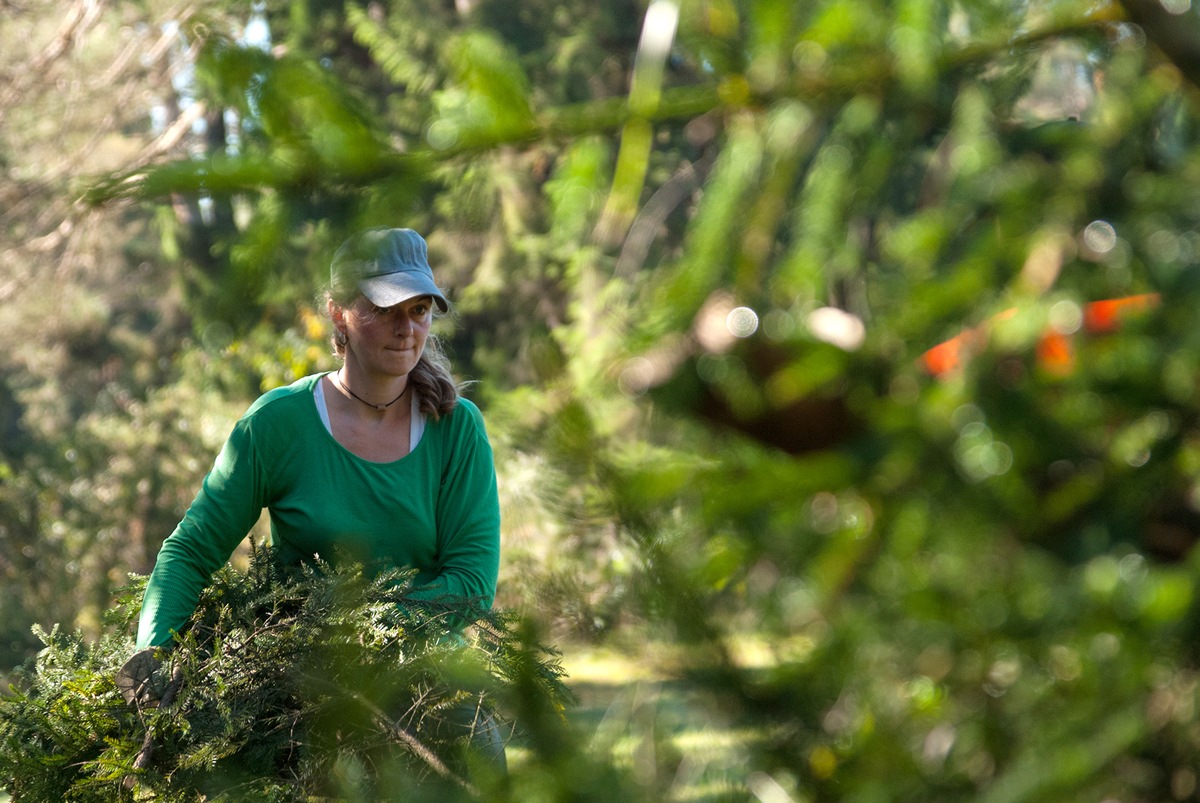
(401, 324)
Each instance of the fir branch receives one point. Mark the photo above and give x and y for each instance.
(282, 675)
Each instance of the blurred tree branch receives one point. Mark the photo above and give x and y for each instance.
(829, 89)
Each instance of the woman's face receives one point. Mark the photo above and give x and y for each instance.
(386, 340)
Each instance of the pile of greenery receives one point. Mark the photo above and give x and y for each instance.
(289, 683)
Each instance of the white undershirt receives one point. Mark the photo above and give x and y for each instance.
(416, 420)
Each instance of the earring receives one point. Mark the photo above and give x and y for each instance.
(339, 337)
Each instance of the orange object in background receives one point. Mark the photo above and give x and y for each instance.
(1055, 351)
(948, 355)
(1105, 316)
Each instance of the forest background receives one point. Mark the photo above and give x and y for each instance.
(698, 252)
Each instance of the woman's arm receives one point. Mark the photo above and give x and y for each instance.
(227, 506)
(468, 517)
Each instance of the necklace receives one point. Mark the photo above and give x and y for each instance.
(379, 407)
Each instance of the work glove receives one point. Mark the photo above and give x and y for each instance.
(142, 680)
(146, 683)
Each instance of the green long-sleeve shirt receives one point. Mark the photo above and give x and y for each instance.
(435, 510)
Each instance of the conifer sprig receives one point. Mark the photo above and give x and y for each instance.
(322, 680)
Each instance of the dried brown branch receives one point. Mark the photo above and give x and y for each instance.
(79, 18)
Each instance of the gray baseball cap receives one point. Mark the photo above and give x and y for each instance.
(388, 266)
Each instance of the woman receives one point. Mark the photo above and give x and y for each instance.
(380, 460)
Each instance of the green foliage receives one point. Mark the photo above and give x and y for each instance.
(295, 682)
(696, 272)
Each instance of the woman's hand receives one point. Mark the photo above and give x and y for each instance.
(144, 685)
(140, 681)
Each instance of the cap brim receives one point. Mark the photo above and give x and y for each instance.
(396, 288)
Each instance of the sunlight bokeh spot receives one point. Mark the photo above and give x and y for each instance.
(1066, 317)
(741, 322)
(1100, 237)
(441, 134)
(779, 324)
(1165, 246)
(837, 327)
(809, 55)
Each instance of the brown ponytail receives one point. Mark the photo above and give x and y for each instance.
(437, 393)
